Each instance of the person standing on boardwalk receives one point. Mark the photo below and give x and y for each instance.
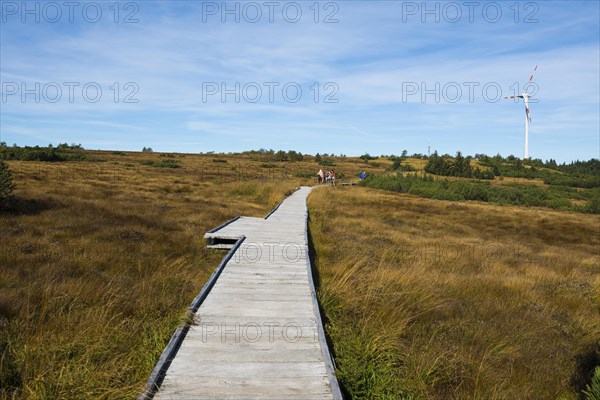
(332, 178)
(320, 176)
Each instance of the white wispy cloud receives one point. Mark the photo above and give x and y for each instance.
(369, 54)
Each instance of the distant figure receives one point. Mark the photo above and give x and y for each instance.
(320, 176)
(362, 175)
(332, 177)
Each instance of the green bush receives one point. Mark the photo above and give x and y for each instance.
(580, 181)
(592, 391)
(460, 190)
(593, 206)
(398, 166)
(6, 185)
(366, 157)
(162, 163)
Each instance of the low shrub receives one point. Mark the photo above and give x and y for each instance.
(162, 163)
(6, 185)
(592, 391)
(461, 190)
(327, 163)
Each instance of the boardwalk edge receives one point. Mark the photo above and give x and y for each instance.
(281, 202)
(329, 363)
(223, 225)
(160, 370)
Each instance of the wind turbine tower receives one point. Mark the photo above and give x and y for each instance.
(525, 96)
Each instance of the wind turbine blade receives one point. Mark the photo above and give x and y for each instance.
(527, 112)
(535, 69)
(513, 97)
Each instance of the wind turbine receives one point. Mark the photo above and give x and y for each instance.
(525, 96)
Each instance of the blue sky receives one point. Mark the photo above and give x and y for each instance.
(375, 76)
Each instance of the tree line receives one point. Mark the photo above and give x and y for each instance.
(583, 174)
(62, 152)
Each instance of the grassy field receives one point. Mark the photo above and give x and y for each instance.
(102, 254)
(437, 299)
(99, 261)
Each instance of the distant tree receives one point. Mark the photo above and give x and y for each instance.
(519, 164)
(6, 185)
(398, 166)
(591, 167)
(147, 150)
(366, 157)
(280, 156)
(462, 166)
(2, 144)
(404, 153)
(496, 170)
(294, 156)
(318, 158)
(447, 166)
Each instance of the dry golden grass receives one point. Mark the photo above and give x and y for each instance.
(100, 260)
(434, 299)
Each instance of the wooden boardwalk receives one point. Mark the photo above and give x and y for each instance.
(257, 333)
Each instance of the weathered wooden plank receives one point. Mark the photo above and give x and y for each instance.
(265, 370)
(265, 290)
(189, 361)
(249, 319)
(273, 388)
(228, 347)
